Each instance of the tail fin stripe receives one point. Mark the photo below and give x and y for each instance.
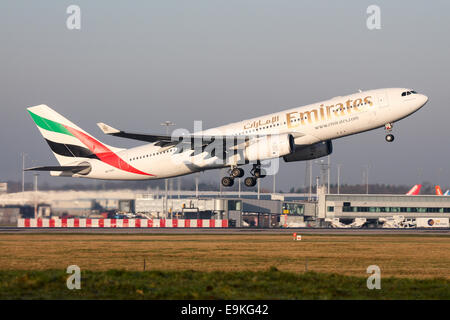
(70, 150)
(49, 124)
(95, 149)
(103, 153)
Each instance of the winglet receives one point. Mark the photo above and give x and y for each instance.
(106, 128)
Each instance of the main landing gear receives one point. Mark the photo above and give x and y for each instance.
(236, 172)
(388, 127)
(257, 173)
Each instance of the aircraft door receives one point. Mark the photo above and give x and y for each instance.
(382, 100)
(380, 103)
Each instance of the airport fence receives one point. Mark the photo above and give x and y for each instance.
(122, 223)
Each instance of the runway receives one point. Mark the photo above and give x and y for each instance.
(326, 231)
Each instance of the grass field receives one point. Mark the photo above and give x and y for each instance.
(198, 259)
(269, 284)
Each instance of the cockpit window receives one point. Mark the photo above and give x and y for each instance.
(407, 93)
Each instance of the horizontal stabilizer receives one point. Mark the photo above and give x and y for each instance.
(74, 169)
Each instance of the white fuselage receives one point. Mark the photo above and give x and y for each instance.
(326, 120)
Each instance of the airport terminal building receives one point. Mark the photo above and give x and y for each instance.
(377, 208)
(274, 211)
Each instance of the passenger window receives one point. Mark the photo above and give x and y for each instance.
(403, 94)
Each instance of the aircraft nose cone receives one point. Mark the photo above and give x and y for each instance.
(423, 99)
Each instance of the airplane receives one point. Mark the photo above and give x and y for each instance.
(414, 190)
(297, 134)
(439, 191)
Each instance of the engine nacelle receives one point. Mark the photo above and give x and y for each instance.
(86, 171)
(313, 151)
(268, 147)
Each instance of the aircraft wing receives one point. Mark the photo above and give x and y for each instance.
(164, 140)
(232, 142)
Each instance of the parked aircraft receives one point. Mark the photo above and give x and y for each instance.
(414, 190)
(439, 191)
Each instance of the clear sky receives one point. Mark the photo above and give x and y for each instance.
(136, 64)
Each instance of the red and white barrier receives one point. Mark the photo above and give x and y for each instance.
(121, 223)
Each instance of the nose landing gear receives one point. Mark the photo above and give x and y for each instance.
(388, 127)
(389, 138)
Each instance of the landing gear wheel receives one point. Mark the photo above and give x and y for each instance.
(389, 138)
(227, 181)
(237, 173)
(250, 181)
(258, 174)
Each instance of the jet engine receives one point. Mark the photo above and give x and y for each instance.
(309, 152)
(270, 146)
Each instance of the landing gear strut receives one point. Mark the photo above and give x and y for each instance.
(388, 127)
(256, 173)
(256, 170)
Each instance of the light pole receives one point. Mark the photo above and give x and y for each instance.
(167, 124)
(258, 187)
(171, 196)
(274, 183)
(220, 184)
(328, 175)
(323, 171)
(35, 194)
(317, 188)
(239, 190)
(196, 185)
(338, 177)
(310, 180)
(23, 172)
(367, 166)
(419, 175)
